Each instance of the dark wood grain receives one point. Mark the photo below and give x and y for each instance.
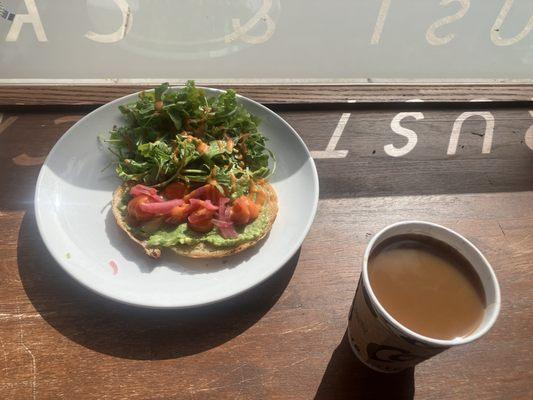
(281, 94)
(368, 171)
(284, 339)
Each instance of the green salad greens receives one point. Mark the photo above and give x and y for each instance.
(186, 136)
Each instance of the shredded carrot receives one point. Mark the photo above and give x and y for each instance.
(229, 144)
(233, 182)
(242, 140)
(260, 197)
(201, 147)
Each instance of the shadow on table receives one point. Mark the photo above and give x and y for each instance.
(130, 332)
(348, 378)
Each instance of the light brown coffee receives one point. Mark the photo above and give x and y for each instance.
(427, 286)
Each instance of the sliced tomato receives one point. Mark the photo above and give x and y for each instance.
(200, 220)
(254, 208)
(202, 214)
(240, 211)
(202, 226)
(134, 208)
(176, 190)
(179, 214)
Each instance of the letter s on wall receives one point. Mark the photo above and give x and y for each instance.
(435, 40)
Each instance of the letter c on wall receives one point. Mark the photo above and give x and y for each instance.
(120, 33)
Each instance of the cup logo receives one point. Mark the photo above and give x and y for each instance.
(384, 353)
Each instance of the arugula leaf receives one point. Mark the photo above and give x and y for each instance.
(242, 187)
(216, 148)
(174, 114)
(164, 128)
(160, 90)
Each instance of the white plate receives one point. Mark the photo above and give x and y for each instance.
(72, 206)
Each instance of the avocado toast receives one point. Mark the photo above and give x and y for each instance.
(195, 171)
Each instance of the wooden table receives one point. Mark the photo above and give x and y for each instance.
(286, 338)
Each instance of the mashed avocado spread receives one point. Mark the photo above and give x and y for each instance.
(183, 235)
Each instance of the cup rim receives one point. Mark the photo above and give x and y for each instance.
(421, 338)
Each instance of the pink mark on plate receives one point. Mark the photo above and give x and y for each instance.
(114, 266)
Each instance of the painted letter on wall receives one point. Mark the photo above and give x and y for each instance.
(495, 32)
(123, 29)
(431, 36)
(383, 11)
(32, 18)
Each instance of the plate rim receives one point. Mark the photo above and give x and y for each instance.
(63, 263)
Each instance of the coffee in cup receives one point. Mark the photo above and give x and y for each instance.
(423, 289)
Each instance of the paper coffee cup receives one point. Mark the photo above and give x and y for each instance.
(381, 342)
